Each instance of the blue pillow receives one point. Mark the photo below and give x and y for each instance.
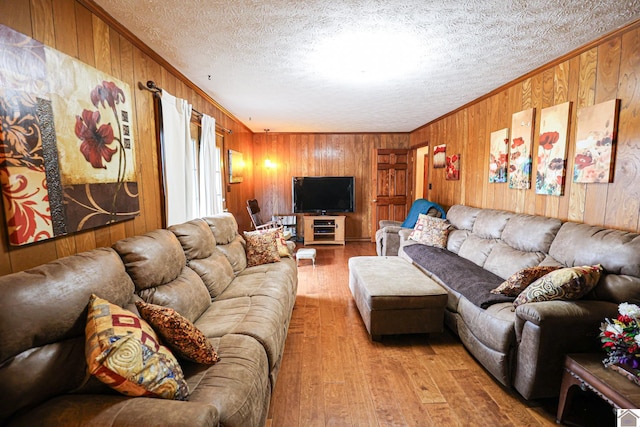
(420, 206)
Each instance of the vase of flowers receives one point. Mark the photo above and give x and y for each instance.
(621, 341)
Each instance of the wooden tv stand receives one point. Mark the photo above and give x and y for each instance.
(324, 230)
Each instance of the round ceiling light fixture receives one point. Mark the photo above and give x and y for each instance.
(368, 56)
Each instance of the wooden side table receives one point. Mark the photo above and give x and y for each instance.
(587, 372)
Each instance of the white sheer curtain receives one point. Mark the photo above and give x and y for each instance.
(178, 160)
(209, 160)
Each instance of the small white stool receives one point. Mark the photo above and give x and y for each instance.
(306, 253)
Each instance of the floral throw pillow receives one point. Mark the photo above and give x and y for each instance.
(178, 333)
(521, 279)
(431, 231)
(262, 247)
(124, 352)
(564, 284)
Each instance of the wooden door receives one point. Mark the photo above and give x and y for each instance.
(391, 186)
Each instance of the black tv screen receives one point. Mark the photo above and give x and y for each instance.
(322, 194)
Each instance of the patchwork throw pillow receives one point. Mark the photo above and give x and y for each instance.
(178, 333)
(262, 247)
(281, 242)
(431, 231)
(124, 352)
(569, 283)
(521, 279)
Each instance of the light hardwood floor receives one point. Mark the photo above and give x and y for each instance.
(333, 375)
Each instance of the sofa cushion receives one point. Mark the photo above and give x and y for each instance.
(477, 249)
(235, 253)
(521, 279)
(157, 264)
(530, 233)
(196, 238)
(178, 333)
(124, 352)
(490, 223)
(187, 294)
(215, 271)
(455, 240)
(462, 217)
(238, 385)
(152, 259)
(504, 261)
(261, 247)
(580, 244)
(224, 227)
(565, 284)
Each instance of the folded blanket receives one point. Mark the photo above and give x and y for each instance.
(459, 274)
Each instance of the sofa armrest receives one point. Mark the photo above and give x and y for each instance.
(546, 332)
(404, 234)
(564, 313)
(386, 224)
(117, 410)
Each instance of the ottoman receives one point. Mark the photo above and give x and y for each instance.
(395, 297)
(306, 253)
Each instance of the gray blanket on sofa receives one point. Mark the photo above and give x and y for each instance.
(459, 274)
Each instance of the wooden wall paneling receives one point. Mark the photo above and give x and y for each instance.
(559, 207)
(122, 54)
(586, 82)
(528, 94)
(42, 22)
(623, 197)
(606, 88)
(18, 18)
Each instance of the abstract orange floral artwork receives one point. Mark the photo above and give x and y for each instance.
(552, 149)
(595, 142)
(66, 147)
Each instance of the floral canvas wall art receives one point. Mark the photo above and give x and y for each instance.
(498, 155)
(552, 149)
(595, 143)
(66, 148)
(453, 167)
(439, 156)
(520, 149)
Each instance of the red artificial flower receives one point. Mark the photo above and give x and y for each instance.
(547, 139)
(583, 160)
(107, 92)
(95, 140)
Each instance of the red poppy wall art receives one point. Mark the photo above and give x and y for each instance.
(498, 156)
(520, 149)
(595, 142)
(552, 149)
(439, 156)
(453, 167)
(66, 147)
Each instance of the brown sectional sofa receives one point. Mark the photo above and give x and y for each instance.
(197, 268)
(524, 348)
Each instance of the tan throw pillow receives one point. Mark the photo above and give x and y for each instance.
(261, 247)
(431, 231)
(178, 333)
(520, 280)
(124, 352)
(281, 242)
(569, 283)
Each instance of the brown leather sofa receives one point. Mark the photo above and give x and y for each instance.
(525, 348)
(197, 268)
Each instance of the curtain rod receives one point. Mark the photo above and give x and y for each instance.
(153, 88)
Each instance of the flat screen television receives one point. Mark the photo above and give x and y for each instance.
(323, 194)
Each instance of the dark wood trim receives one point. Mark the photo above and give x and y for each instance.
(559, 60)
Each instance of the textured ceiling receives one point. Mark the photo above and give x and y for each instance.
(273, 63)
